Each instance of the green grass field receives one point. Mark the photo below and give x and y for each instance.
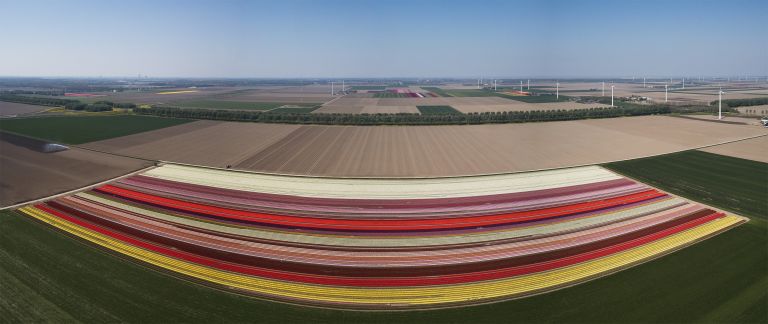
(48, 276)
(84, 129)
(236, 105)
(733, 184)
(437, 110)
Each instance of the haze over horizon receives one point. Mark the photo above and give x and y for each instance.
(311, 39)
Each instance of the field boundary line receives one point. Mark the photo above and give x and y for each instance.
(69, 192)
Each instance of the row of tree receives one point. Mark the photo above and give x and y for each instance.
(743, 102)
(41, 101)
(68, 104)
(98, 106)
(403, 119)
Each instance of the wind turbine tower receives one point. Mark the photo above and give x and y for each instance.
(521, 85)
(529, 84)
(557, 90)
(720, 104)
(643, 82)
(332, 93)
(612, 95)
(665, 92)
(603, 88)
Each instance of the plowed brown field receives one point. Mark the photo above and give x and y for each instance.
(423, 150)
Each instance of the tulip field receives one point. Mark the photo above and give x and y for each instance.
(383, 243)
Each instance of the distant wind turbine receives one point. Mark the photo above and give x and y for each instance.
(720, 104)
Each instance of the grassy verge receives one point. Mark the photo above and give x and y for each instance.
(437, 110)
(84, 129)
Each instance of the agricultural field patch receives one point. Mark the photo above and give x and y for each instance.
(538, 98)
(589, 222)
(755, 149)
(437, 110)
(403, 151)
(13, 109)
(27, 172)
(733, 184)
(82, 129)
(286, 109)
(238, 105)
(368, 87)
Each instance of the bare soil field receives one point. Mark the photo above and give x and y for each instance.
(355, 105)
(755, 149)
(390, 110)
(761, 110)
(308, 93)
(524, 106)
(339, 109)
(26, 173)
(12, 108)
(729, 119)
(149, 96)
(211, 143)
(391, 151)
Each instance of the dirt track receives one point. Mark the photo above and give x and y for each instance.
(423, 150)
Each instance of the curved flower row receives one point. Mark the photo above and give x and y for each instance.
(391, 243)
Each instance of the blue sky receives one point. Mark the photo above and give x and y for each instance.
(383, 38)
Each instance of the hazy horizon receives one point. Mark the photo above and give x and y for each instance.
(393, 39)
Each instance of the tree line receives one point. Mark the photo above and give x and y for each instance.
(404, 119)
(68, 104)
(40, 101)
(743, 102)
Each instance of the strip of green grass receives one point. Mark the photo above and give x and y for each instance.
(236, 105)
(733, 184)
(84, 129)
(437, 110)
